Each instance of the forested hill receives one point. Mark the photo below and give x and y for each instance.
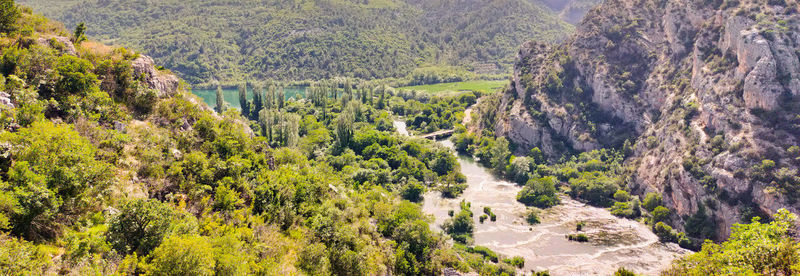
(204, 40)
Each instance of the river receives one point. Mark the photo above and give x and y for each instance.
(614, 242)
(231, 96)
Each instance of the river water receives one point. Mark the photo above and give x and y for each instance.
(614, 242)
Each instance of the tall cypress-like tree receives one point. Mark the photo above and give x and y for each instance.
(220, 108)
(281, 98)
(243, 103)
(257, 102)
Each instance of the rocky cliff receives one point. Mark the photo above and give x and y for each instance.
(705, 91)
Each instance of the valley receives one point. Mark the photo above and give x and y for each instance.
(399, 137)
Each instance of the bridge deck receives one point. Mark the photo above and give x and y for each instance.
(438, 133)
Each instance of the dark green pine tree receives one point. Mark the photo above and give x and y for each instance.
(243, 103)
(220, 108)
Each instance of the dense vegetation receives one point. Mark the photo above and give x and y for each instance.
(752, 249)
(100, 175)
(229, 41)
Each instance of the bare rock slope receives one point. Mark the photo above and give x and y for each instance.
(705, 92)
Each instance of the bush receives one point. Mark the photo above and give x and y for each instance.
(460, 225)
(578, 237)
(628, 209)
(594, 187)
(140, 226)
(651, 201)
(8, 15)
(413, 191)
(660, 214)
(76, 77)
(622, 196)
(485, 251)
(54, 177)
(183, 255)
(516, 261)
(532, 217)
(540, 192)
(624, 272)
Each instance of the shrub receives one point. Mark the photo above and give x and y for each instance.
(183, 255)
(54, 177)
(624, 272)
(459, 226)
(139, 227)
(540, 192)
(622, 196)
(485, 252)
(651, 201)
(660, 214)
(578, 237)
(516, 261)
(532, 217)
(8, 15)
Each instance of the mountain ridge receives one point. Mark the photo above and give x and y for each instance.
(208, 40)
(705, 96)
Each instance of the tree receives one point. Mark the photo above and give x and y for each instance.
(76, 77)
(8, 15)
(140, 226)
(500, 154)
(220, 108)
(243, 103)
(344, 128)
(183, 255)
(53, 177)
(258, 102)
(80, 33)
(752, 249)
(540, 192)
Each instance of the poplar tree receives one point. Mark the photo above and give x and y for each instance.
(220, 108)
(257, 102)
(243, 103)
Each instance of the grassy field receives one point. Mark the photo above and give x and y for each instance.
(478, 85)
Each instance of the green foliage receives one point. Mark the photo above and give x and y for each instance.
(516, 261)
(660, 214)
(17, 256)
(80, 33)
(196, 190)
(624, 272)
(701, 225)
(76, 77)
(578, 237)
(485, 252)
(140, 226)
(651, 201)
(752, 249)
(540, 192)
(52, 170)
(8, 15)
(461, 225)
(532, 216)
(182, 255)
(314, 40)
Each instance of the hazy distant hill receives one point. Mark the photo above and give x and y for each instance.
(203, 40)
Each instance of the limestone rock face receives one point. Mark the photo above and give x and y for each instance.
(715, 83)
(165, 85)
(64, 44)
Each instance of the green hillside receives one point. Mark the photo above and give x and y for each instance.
(207, 40)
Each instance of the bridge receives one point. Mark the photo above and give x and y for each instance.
(438, 134)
